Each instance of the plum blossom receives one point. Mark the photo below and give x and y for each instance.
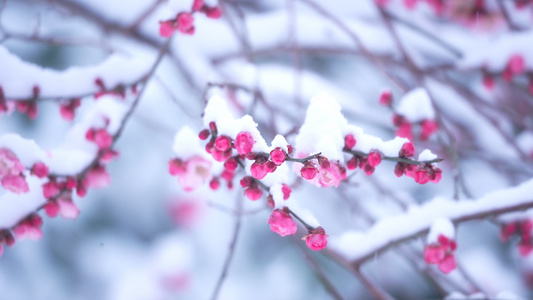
(281, 222)
(441, 253)
(191, 173)
(317, 239)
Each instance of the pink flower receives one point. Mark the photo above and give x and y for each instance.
(166, 28)
(404, 130)
(40, 170)
(16, 184)
(281, 222)
(436, 175)
(278, 156)
(448, 264)
(349, 141)
(9, 163)
(108, 155)
(185, 23)
(213, 12)
(374, 158)
(329, 176)
(352, 163)
(67, 208)
(197, 172)
(286, 190)
(433, 254)
(253, 193)
(317, 239)
(30, 228)
(421, 176)
(98, 177)
(385, 98)
(308, 171)
(231, 164)
(244, 142)
(176, 167)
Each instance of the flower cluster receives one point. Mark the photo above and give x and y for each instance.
(184, 21)
(441, 253)
(523, 230)
(11, 175)
(29, 228)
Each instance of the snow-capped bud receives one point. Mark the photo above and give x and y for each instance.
(223, 143)
(253, 193)
(408, 150)
(286, 190)
(308, 171)
(352, 163)
(385, 98)
(317, 239)
(214, 184)
(349, 141)
(282, 223)
(204, 134)
(244, 142)
(374, 158)
(278, 156)
(40, 170)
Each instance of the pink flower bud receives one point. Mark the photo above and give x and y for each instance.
(220, 156)
(246, 181)
(409, 170)
(488, 82)
(436, 175)
(281, 222)
(231, 164)
(204, 134)
(40, 170)
(185, 23)
(9, 238)
(434, 254)
(448, 264)
(51, 208)
(369, 170)
(270, 167)
(258, 170)
(223, 143)
(102, 138)
(98, 177)
(408, 150)
(524, 249)
(81, 189)
(291, 149)
(50, 189)
(405, 131)
(374, 158)
(278, 156)
(166, 28)
(349, 141)
(317, 239)
(214, 184)
(385, 98)
(428, 128)
(107, 155)
(67, 208)
(507, 231)
(213, 12)
(352, 163)
(308, 171)
(213, 126)
(323, 162)
(286, 190)
(197, 5)
(227, 175)
(210, 146)
(244, 142)
(399, 169)
(270, 201)
(253, 193)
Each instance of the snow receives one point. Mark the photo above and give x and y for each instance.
(427, 155)
(14, 207)
(74, 82)
(187, 144)
(416, 106)
(355, 245)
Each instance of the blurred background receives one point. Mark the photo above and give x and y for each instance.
(143, 237)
